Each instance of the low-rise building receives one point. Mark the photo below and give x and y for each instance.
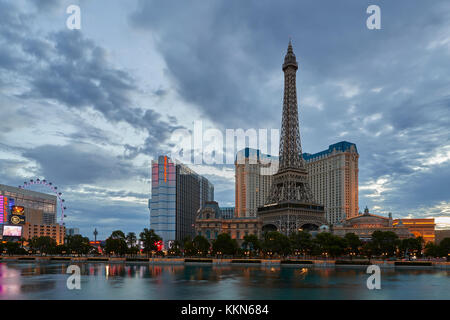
(54, 231)
(419, 227)
(212, 221)
(365, 224)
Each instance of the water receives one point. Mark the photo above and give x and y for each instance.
(21, 280)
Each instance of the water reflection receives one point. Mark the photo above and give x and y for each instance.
(25, 280)
(9, 284)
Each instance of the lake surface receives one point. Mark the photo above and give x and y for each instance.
(23, 280)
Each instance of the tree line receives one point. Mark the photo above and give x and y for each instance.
(384, 244)
(116, 244)
(120, 244)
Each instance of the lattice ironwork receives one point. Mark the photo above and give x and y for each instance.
(293, 222)
(290, 183)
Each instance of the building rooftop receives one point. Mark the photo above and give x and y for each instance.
(28, 193)
(342, 146)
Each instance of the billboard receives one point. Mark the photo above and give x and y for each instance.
(16, 219)
(19, 210)
(12, 231)
(17, 215)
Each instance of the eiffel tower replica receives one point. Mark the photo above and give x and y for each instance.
(290, 206)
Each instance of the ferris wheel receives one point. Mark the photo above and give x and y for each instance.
(53, 189)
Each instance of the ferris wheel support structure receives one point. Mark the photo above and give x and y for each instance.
(54, 190)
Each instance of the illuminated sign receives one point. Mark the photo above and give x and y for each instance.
(165, 169)
(11, 204)
(17, 219)
(3, 209)
(97, 244)
(17, 215)
(17, 210)
(159, 245)
(12, 231)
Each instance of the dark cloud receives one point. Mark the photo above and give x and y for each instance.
(80, 164)
(117, 194)
(224, 55)
(73, 70)
(424, 187)
(47, 5)
(10, 170)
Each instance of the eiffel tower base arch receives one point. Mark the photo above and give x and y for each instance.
(288, 218)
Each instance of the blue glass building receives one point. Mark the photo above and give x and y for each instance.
(177, 194)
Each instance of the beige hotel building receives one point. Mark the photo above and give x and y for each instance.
(253, 178)
(333, 178)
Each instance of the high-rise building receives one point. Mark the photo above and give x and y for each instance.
(290, 206)
(332, 176)
(177, 194)
(253, 178)
(40, 208)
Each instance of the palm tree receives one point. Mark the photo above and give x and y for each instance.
(131, 239)
(148, 238)
(252, 243)
(22, 240)
(118, 234)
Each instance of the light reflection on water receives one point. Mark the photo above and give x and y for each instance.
(25, 280)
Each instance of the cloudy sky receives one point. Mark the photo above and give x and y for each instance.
(89, 109)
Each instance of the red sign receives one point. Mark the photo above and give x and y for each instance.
(159, 245)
